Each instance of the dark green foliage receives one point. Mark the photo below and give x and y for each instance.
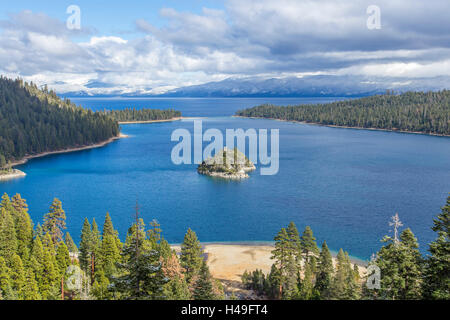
(306, 285)
(427, 112)
(204, 286)
(23, 226)
(177, 289)
(86, 246)
(308, 244)
(8, 239)
(141, 273)
(255, 281)
(5, 280)
(325, 272)
(147, 267)
(71, 246)
(62, 259)
(344, 286)
(437, 266)
(295, 242)
(133, 114)
(401, 268)
(33, 121)
(55, 221)
(191, 254)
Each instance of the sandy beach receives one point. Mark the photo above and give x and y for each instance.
(229, 261)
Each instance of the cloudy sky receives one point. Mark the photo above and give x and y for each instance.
(154, 46)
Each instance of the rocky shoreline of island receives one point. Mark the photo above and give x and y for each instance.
(227, 164)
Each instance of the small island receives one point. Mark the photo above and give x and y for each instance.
(227, 164)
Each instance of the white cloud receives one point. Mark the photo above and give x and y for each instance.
(269, 38)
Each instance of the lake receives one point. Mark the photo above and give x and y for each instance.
(344, 183)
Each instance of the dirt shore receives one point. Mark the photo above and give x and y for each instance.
(43, 154)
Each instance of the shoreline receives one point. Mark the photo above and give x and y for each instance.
(74, 149)
(228, 261)
(12, 175)
(151, 121)
(347, 127)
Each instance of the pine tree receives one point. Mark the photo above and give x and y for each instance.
(100, 286)
(86, 246)
(96, 248)
(204, 286)
(38, 231)
(191, 254)
(108, 230)
(141, 273)
(281, 255)
(5, 280)
(273, 283)
(290, 285)
(109, 256)
(37, 261)
(307, 286)
(8, 240)
(6, 203)
(437, 272)
(30, 289)
(55, 221)
(353, 289)
(62, 262)
(400, 268)
(339, 284)
(71, 246)
(18, 279)
(23, 226)
(325, 272)
(50, 281)
(295, 244)
(177, 289)
(308, 244)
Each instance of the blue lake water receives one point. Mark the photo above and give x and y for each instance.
(344, 183)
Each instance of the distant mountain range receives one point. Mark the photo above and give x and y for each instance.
(308, 86)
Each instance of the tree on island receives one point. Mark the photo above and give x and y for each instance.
(191, 254)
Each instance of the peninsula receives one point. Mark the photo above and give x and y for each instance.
(45, 124)
(227, 164)
(412, 112)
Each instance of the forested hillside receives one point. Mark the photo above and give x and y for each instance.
(43, 262)
(33, 121)
(133, 114)
(426, 112)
